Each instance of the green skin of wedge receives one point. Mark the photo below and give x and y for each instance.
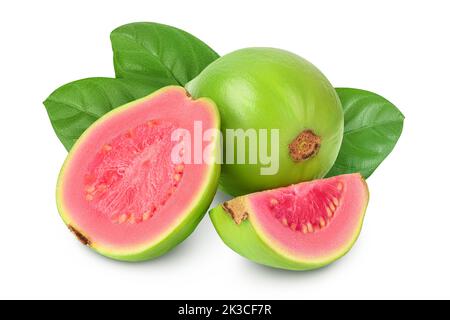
(266, 88)
(191, 217)
(245, 240)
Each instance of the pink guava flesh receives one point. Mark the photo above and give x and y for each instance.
(314, 219)
(132, 176)
(121, 187)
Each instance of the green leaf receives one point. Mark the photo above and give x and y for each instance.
(372, 128)
(159, 54)
(73, 107)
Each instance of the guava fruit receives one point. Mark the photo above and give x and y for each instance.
(300, 227)
(267, 88)
(124, 192)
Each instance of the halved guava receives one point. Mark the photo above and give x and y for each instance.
(300, 227)
(122, 191)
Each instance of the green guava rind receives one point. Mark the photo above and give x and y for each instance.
(267, 88)
(191, 217)
(244, 240)
(248, 242)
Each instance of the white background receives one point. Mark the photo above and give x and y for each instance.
(399, 49)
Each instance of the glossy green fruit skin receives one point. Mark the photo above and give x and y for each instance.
(267, 88)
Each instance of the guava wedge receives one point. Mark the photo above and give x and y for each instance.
(124, 192)
(300, 227)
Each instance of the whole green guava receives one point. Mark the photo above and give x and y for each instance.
(267, 88)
